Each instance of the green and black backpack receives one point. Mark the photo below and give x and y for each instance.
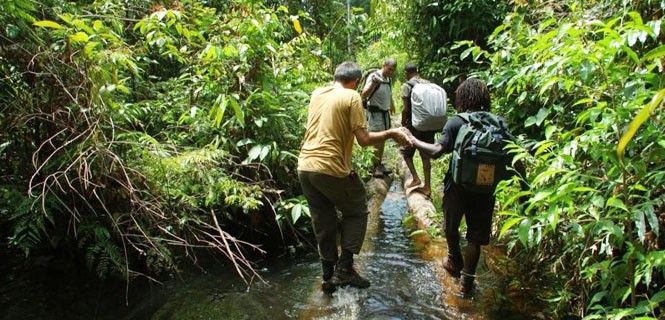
(479, 160)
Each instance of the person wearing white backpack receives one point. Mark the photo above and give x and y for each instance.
(424, 114)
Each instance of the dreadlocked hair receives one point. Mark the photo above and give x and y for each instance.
(472, 95)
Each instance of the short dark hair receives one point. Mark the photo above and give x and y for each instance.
(347, 71)
(411, 68)
(472, 95)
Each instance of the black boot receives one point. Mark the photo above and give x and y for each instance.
(468, 284)
(453, 263)
(471, 257)
(327, 285)
(346, 275)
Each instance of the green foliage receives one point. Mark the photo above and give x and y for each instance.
(143, 132)
(430, 29)
(571, 78)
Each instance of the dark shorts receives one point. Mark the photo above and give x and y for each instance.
(424, 136)
(477, 208)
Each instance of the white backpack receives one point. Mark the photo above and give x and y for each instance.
(428, 106)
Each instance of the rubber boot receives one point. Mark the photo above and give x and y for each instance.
(328, 268)
(453, 263)
(345, 273)
(471, 257)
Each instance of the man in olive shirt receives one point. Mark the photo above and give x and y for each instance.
(335, 117)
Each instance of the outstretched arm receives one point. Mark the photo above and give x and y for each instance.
(366, 138)
(434, 150)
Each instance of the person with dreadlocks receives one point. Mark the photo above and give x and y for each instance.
(471, 96)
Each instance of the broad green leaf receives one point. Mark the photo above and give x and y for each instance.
(631, 54)
(244, 142)
(616, 203)
(544, 146)
(523, 231)
(254, 153)
(220, 107)
(546, 175)
(641, 117)
(584, 189)
(239, 114)
(89, 48)
(529, 121)
(640, 224)
(540, 196)
(465, 53)
(296, 212)
(48, 24)
(79, 37)
(549, 131)
(658, 298)
(656, 53)
(542, 114)
(509, 224)
(264, 152)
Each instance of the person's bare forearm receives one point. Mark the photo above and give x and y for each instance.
(366, 138)
(432, 150)
(365, 94)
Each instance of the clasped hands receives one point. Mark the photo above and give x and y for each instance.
(403, 136)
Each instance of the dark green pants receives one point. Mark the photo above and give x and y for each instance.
(325, 194)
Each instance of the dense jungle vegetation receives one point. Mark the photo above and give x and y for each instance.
(140, 136)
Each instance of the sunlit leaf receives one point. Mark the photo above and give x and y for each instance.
(509, 224)
(48, 24)
(296, 212)
(523, 231)
(79, 37)
(296, 24)
(656, 53)
(634, 125)
(254, 153)
(264, 152)
(640, 224)
(616, 203)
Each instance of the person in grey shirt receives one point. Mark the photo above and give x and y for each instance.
(380, 105)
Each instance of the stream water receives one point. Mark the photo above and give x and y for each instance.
(405, 285)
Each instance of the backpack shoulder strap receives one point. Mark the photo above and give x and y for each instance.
(411, 83)
(374, 73)
(465, 116)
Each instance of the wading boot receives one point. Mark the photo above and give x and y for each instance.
(453, 265)
(471, 257)
(327, 285)
(348, 276)
(468, 285)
